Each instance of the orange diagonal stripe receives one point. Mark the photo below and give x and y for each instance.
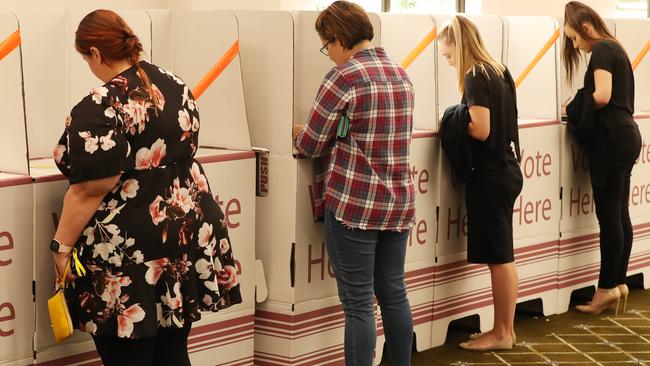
(641, 55)
(9, 44)
(424, 43)
(538, 57)
(216, 70)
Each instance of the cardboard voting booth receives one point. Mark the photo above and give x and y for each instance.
(16, 250)
(532, 60)
(633, 35)
(13, 146)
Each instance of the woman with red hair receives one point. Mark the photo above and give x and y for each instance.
(139, 210)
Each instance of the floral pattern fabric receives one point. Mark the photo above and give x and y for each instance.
(157, 250)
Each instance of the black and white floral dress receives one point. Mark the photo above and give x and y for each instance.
(157, 250)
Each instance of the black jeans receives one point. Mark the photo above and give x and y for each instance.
(168, 348)
(611, 196)
(616, 232)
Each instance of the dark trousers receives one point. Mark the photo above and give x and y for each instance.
(616, 233)
(611, 169)
(367, 263)
(168, 348)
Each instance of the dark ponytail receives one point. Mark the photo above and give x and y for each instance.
(576, 14)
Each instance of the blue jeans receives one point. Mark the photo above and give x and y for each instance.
(367, 263)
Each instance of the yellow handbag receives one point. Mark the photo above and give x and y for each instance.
(60, 318)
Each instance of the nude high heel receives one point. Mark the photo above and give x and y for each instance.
(625, 291)
(603, 299)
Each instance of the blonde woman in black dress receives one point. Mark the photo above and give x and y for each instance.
(495, 181)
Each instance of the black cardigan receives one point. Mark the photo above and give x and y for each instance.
(580, 115)
(455, 141)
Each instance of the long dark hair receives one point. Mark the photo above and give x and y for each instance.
(109, 33)
(575, 15)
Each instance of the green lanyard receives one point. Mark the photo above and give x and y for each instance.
(343, 127)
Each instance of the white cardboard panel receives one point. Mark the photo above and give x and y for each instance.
(23, 362)
(640, 256)
(461, 289)
(579, 263)
(536, 259)
(226, 338)
(276, 226)
(70, 353)
(267, 51)
(537, 95)
(82, 79)
(419, 278)
(537, 209)
(222, 106)
(227, 335)
(13, 142)
(16, 250)
(310, 65)
(491, 29)
(451, 233)
(305, 333)
(48, 201)
(314, 278)
(634, 34)
(578, 210)
(231, 175)
(161, 35)
(400, 33)
(424, 171)
(45, 88)
(640, 180)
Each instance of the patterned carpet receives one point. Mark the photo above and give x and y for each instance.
(567, 339)
(612, 340)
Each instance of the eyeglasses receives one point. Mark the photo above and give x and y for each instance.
(323, 49)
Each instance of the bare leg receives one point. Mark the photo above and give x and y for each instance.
(504, 294)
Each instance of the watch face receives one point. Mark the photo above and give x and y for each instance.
(54, 246)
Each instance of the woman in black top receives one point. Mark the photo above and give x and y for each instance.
(613, 145)
(496, 180)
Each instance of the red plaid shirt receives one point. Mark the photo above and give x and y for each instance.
(367, 182)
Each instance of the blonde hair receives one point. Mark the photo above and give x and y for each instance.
(470, 51)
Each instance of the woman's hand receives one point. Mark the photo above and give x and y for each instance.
(296, 130)
(60, 262)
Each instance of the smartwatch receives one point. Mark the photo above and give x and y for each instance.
(57, 247)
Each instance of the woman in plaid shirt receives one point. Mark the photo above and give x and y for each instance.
(369, 197)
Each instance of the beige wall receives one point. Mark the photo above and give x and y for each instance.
(243, 4)
(159, 4)
(555, 8)
(225, 4)
(82, 4)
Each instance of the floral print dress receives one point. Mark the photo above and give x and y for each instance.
(157, 250)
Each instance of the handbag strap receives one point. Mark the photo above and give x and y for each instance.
(65, 273)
